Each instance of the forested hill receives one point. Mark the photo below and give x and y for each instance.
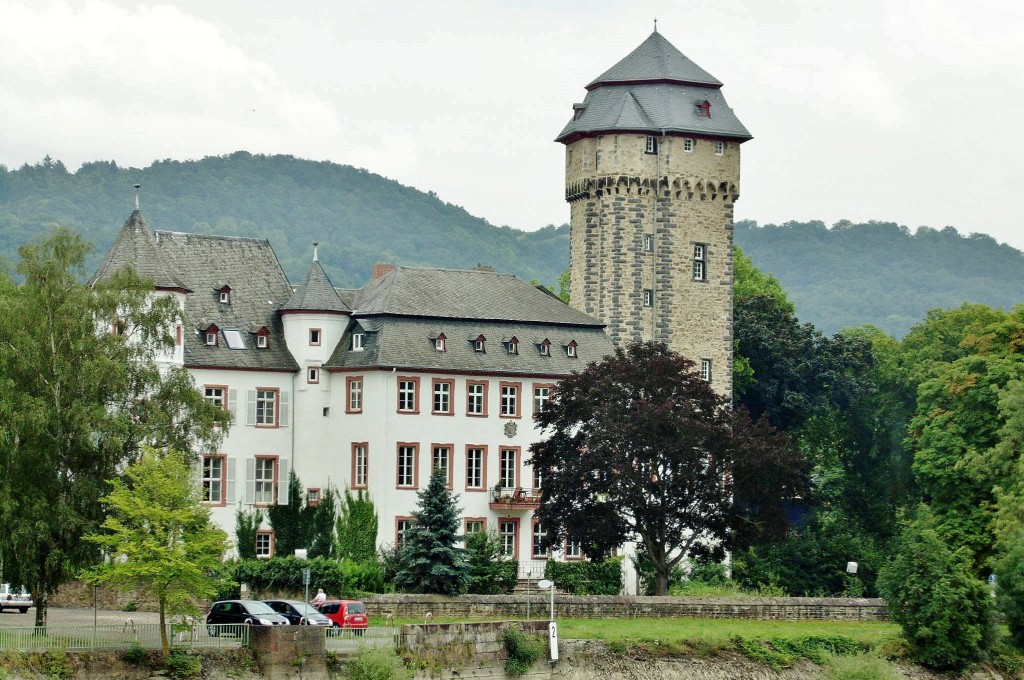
(876, 273)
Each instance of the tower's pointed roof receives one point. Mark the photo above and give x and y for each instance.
(655, 60)
(316, 293)
(136, 246)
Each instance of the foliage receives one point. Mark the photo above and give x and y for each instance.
(338, 578)
(638, 445)
(430, 561)
(159, 537)
(1010, 585)
(181, 665)
(863, 666)
(586, 577)
(287, 519)
(76, 402)
(522, 651)
(319, 522)
(930, 592)
(357, 527)
(377, 663)
(247, 524)
(490, 573)
(783, 652)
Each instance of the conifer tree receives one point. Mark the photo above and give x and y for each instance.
(430, 562)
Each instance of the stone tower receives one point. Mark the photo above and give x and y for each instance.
(652, 169)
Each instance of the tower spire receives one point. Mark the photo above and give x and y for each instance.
(655, 24)
(137, 196)
(315, 244)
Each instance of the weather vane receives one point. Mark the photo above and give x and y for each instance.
(655, 24)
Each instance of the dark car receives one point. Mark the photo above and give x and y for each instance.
(298, 613)
(345, 614)
(242, 612)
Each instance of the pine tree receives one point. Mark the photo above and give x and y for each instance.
(430, 561)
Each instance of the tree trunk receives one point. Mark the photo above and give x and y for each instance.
(42, 602)
(660, 579)
(165, 644)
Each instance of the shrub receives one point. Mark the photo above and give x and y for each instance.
(136, 655)
(522, 651)
(489, 572)
(339, 578)
(945, 612)
(863, 666)
(376, 664)
(585, 577)
(181, 665)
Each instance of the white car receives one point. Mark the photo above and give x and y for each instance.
(11, 598)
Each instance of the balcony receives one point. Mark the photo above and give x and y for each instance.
(511, 498)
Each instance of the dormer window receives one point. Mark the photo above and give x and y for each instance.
(512, 346)
(211, 335)
(261, 341)
(440, 343)
(480, 344)
(570, 349)
(224, 295)
(545, 348)
(704, 109)
(357, 342)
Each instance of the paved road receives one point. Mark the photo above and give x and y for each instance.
(75, 617)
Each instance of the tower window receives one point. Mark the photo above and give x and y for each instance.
(648, 243)
(688, 145)
(314, 336)
(648, 297)
(652, 144)
(705, 370)
(719, 148)
(700, 262)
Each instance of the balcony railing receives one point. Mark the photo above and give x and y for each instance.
(514, 498)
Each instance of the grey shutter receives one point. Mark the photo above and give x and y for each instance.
(250, 407)
(284, 409)
(282, 481)
(250, 480)
(233, 405)
(231, 480)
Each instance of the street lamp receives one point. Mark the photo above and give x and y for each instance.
(851, 570)
(552, 629)
(545, 584)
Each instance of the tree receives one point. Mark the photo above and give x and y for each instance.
(287, 520)
(430, 562)
(490, 573)
(159, 537)
(640, 447)
(357, 527)
(247, 525)
(80, 390)
(319, 522)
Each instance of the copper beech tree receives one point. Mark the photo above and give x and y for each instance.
(639, 448)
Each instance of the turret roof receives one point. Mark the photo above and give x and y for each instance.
(136, 246)
(316, 293)
(656, 59)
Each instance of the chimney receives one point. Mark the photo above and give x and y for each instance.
(381, 270)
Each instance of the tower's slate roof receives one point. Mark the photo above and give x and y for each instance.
(316, 294)
(654, 89)
(135, 246)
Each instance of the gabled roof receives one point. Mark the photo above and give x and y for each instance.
(655, 60)
(316, 294)
(135, 246)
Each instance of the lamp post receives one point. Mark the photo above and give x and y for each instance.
(851, 571)
(545, 584)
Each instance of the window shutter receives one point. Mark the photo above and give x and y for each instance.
(284, 409)
(250, 407)
(282, 481)
(250, 480)
(231, 480)
(233, 405)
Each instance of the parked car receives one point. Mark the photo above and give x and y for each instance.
(14, 598)
(242, 612)
(299, 613)
(345, 614)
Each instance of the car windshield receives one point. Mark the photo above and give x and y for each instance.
(259, 608)
(304, 608)
(357, 608)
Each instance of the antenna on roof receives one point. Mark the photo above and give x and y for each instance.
(137, 196)
(655, 24)
(315, 244)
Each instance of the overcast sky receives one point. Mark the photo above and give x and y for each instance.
(903, 110)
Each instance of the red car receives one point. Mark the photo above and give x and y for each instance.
(345, 614)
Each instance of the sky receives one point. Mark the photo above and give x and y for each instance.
(908, 111)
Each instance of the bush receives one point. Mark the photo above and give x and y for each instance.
(522, 651)
(338, 578)
(182, 666)
(585, 577)
(489, 572)
(1010, 587)
(376, 664)
(784, 651)
(945, 612)
(136, 655)
(865, 666)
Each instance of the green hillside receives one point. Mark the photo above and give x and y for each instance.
(851, 274)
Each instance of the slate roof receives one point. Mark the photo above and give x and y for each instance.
(136, 246)
(316, 293)
(654, 89)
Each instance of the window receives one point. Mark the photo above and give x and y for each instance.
(508, 533)
(213, 479)
(215, 395)
(688, 145)
(211, 338)
(314, 337)
(261, 341)
(313, 497)
(719, 148)
(508, 468)
(440, 343)
(233, 338)
(648, 243)
(264, 544)
(705, 370)
(265, 480)
(266, 407)
(225, 296)
(476, 457)
(476, 398)
(573, 551)
(704, 109)
(408, 394)
(570, 349)
(648, 297)
(652, 145)
(480, 344)
(443, 396)
(357, 342)
(538, 480)
(540, 541)
(313, 374)
(510, 400)
(512, 346)
(406, 467)
(402, 527)
(354, 394)
(700, 262)
(178, 335)
(360, 465)
(545, 348)
(541, 397)
(441, 459)
(474, 525)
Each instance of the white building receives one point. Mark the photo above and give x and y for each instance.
(366, 389)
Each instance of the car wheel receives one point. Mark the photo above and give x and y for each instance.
(23, 609)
